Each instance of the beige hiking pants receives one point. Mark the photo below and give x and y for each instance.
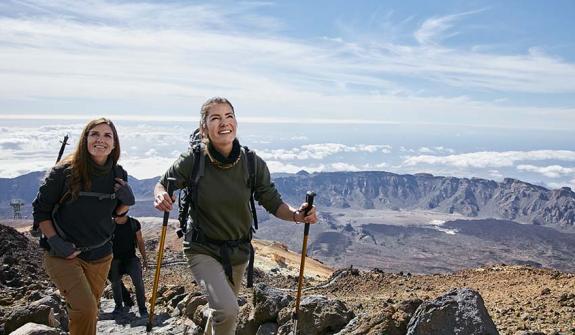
(82, 284)
(222, 296)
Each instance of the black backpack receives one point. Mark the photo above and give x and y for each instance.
(188, 199)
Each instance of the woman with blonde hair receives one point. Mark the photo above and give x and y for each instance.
(74, 209)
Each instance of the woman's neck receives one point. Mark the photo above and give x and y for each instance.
(224, 150)
(100, 160)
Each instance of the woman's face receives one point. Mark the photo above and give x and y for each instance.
(100, 142)
(221, 125)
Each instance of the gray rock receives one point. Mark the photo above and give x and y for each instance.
(176, 299)
(35, 329)
(194, 303)
(40, 314)
(246, 322)
(459, 312)
(268, 302)
(317, 315)
(268, 328)
(58, 306)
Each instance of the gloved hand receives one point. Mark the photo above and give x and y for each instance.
(60, 248)
(125, 195)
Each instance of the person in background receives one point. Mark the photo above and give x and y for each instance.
(73, 209)
(127, 236)
(218, 245)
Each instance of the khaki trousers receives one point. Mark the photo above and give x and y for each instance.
(222, 296)
(82, 284)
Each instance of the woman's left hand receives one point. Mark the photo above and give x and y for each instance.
(311, 216)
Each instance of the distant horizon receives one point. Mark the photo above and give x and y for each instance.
(148, 148)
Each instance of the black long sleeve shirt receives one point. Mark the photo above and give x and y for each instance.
(85, 221)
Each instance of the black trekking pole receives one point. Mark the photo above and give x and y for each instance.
(35, 230)
(309, 199)
(159, 259)
(62, 147)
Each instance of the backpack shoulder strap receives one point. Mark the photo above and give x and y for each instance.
(197, 173)
(117, 171)
(252, 168)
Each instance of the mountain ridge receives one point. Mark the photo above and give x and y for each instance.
(510, 199)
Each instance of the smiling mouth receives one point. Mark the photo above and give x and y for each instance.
(224, 132)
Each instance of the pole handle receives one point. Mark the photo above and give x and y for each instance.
(309, 196)
(170, 190)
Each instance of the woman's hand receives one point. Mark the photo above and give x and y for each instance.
(124, 192)
(61, 248)
(163, 202)
(300, 216)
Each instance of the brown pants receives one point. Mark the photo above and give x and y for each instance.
(82, 284)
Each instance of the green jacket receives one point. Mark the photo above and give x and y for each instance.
(223, 202)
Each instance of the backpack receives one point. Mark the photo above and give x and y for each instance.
(65, 199)
(188, 198)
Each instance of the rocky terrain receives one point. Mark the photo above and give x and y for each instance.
(518, 299)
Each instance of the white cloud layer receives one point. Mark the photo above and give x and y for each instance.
(490, 159)
(321, 151)
(551, 171)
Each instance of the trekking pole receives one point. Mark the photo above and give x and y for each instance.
(309, 199)
(62, 147)
(159, 259)
(35, 230)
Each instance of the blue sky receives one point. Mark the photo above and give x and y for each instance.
(463, 62)
(454, 65)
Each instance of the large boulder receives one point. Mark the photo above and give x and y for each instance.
(54, 301)
(317, 315)
(459, 312)
(40, 314)
(194, 302)
(268, 302)
(35, 329)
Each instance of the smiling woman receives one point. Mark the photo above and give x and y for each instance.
(218, 243)
(74, 209)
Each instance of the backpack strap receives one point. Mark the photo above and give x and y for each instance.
(194, 184)
(251, 161)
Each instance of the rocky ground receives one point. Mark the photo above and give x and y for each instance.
(519, 299)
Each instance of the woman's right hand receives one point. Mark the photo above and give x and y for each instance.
(163, 202)
(61, 248)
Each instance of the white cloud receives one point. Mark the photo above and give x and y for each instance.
(320, 151)
(427, 150)
(344, 167)
(151, 152)
(495, 174)
(551, 171)
(143, 168)
(490, 159)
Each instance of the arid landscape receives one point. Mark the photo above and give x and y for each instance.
(519, 299)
